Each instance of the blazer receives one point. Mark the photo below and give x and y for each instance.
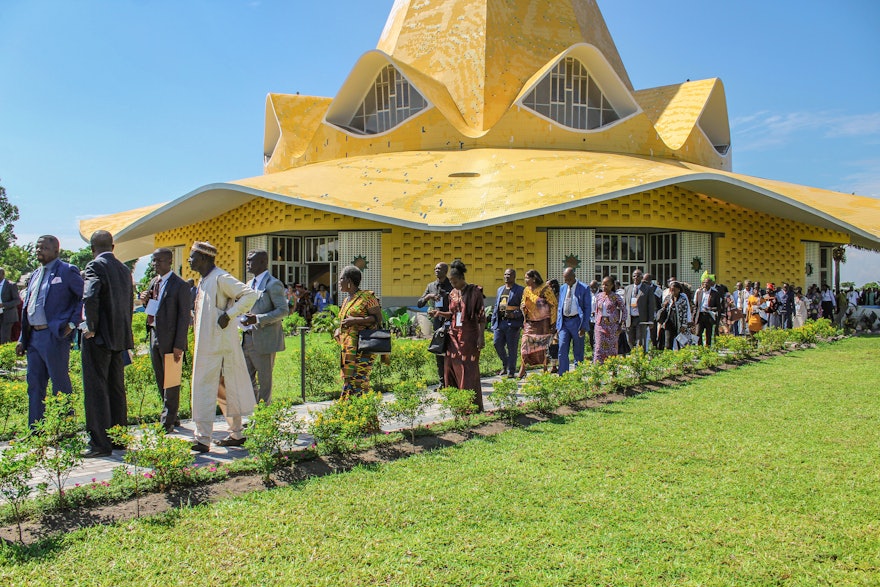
(270, 309)
(108, 299)
(9, 300)
(714, 299)
(514, 318)
(63, 302)
(173, 315)
(584, 298)
(646, 302)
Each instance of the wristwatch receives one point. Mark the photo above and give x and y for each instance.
(71, 325)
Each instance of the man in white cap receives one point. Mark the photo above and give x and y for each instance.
(219, 368)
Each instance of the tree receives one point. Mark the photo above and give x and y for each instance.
(17, 260)
(79, 258)
(8, 215)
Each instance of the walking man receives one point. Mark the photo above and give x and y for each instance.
(641, 306)
(168, 303)
(572, 318)
(219, 370)
(107, 306)
(263, 335)
(507, 322)
(436, 296)
(52, 308)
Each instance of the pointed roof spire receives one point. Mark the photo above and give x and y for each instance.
(484, 51)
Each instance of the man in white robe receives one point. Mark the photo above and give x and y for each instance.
(219, 368)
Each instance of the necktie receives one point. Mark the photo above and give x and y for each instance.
(154, 295)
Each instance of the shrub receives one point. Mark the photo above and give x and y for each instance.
(640, 365)
(140, 383)
(401, 324)
(771, 339)
(56, 440)
(505, 396)
(326, 320)
(271, 429)
(737, 348)
(341, 426)
(408, 359)
(293, 322)
(139, 327)
(167, 456)
(489, 361)
(16, 465)
(543, 388)
(459, 403)
(13, 400)
(8, 358)
(410, 403)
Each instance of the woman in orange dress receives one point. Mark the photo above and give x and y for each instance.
(539, 310)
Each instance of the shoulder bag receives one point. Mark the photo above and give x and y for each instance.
(374, 341)
(438, 341)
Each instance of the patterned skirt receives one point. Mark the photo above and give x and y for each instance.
(536, 339)
(356, 368)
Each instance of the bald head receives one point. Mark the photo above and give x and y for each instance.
(101, 242)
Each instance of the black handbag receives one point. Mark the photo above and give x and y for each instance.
(438, 341)
(375, 341)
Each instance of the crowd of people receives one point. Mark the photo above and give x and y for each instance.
(541, 324)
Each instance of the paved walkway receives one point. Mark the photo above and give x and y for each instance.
(100, 469)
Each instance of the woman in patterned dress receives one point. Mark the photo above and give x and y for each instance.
(609, 320)
(360, 311)
(467, 329)
(539, 310)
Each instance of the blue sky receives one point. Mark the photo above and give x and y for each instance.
(111, 105)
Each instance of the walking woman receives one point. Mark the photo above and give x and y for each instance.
(466, 333)
(753, 313)
(609, 320)
(677, 308)
(360, 311)
(539, 310)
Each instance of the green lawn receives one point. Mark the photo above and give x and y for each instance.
(763, 475)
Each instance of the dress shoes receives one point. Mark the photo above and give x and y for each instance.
(229, 441)
(117, 446)
(502, 373)
(199, 447)
(94, 453)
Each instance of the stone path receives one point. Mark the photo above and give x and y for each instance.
(100, 469)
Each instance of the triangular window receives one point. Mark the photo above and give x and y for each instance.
(389, 102)
(570, 96)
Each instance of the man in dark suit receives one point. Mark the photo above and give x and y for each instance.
(168, 303)
(9, 301)
(507, 322)
(437, 297)
(263, 335)
(572, 318)
(708, 303)
(51, 310)
(107, 306)
(641, 305)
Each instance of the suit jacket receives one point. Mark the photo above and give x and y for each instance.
(108, 299)
(584, 298)
(714, 299)
(63, 301)
(646, 302)
(173, 314)
(514, 318)
(9, 300)
(270, 309)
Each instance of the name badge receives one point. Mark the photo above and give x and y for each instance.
(458, 318)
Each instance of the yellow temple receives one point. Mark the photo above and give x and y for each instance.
(506, 134)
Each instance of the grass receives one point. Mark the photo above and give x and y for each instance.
(759, 476)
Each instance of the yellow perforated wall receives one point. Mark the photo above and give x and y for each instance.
(750, 245)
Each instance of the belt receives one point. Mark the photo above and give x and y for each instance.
(40, 327)
(572, 316)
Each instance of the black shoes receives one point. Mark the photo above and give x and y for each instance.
(229, 441)
(93, 453)
(197, 446)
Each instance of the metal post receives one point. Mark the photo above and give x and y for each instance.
(302, 361)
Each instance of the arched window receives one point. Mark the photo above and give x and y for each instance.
(389, 102)
(570, 96)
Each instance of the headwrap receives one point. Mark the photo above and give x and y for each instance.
(204, 248)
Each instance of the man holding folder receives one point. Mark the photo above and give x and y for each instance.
(168, 303)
